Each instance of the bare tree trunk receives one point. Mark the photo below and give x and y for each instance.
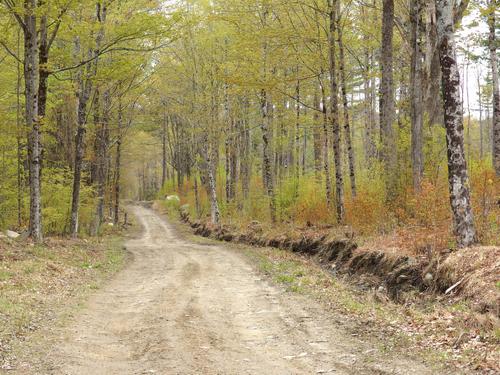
(481, 126)
(233, 161)
(337, 153)
(264, 106)
(304, 150)
(496, 90)
(297, 132)
(101, 147)
(19, 135)
(164, 151)
(31, 79)
(369, 138)
(326, 148)
(317, 142)
(347, 127)
(457, 166)
(84, 91)
(465, 87)
(116, 216)
(388, 144)
(246, 169)
(196, 195)
(417, 156)
(212, 187)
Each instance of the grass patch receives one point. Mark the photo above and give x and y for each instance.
(39, 283)
(414, 328)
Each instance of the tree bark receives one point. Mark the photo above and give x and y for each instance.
(388, 144)
(212, 187)
(369, 133)
(334, 116)
(347, 127)
(267, 167)
(164, 150)
(317, 141)
(417, 156)
(245, 147)
(31, 78)
(458, 178)
(297, 132)
(481, 125)
(101, 148)
(19, 135)
(116, 215)
(326, 148)
(496, 90)
(84, 91)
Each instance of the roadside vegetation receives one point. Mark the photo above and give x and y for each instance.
(42, 284)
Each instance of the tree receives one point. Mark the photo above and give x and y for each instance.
(417, 115)
(386, 98)
(492, 43)
(458, 178)
(334, 115)
(28, 24)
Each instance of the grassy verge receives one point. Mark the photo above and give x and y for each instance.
(41, 284)
(441, 334)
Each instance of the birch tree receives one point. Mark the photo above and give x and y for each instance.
(458, 177)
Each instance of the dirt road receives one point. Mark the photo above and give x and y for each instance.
(185, 308)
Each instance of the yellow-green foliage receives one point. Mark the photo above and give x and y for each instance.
(56, 189)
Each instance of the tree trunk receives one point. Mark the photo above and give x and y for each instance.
(386, 105)
(417, 156)
(19, 135)
(267, 167)
(334, 117)
(326, 148)
(164, 151)
(116, 215)
(196, 195)
(31, 78)
(246, 168)
(347, 127)
(481, 130)
(101, 147)
(297, 132)
(369, 133)
(317, 142)
(457, 166)
(496, 93)
(212, 186)
(84, 91)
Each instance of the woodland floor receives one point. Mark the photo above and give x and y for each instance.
(184, 306)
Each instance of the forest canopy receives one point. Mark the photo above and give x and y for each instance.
(380, 117)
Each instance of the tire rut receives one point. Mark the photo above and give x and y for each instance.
(185, 308)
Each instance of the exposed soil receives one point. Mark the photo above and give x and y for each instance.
(469, 274)
(188, 308)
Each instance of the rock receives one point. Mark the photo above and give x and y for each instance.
(12, 234)
(111, 225)
(173, 198)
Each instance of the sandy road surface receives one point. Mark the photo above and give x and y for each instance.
(185, 308)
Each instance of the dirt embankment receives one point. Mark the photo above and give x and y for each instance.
(466, 274)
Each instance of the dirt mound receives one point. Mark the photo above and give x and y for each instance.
(473, 273)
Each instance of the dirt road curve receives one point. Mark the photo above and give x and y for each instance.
(184, 308)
